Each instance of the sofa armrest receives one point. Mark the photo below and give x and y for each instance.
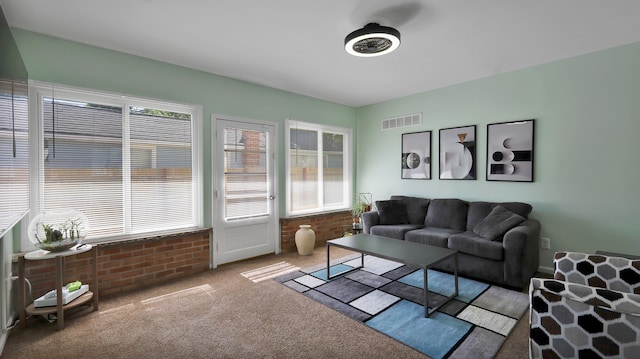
(616, 301)
(521, 253)
(615, 273)
(369, 219)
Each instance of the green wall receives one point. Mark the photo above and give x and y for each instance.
(60, 61)
(587, 170)
(587, 112)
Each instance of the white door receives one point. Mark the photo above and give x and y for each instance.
(245, 216)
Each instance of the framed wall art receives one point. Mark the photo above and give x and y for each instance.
(510, 151)
(416, 155)
(458, 153)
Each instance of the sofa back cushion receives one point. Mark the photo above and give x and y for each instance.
(480, 210)
(392, 212)
(447, 213)
(416, 208)
(498, 222)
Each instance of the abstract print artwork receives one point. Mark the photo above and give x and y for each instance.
(416, 155)
(458, 153)
(510, 151)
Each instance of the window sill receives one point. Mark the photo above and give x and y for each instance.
(316, 214)
(145, 237)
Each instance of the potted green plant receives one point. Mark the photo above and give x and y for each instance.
(365, 199)
(357, 210)
(58, 230)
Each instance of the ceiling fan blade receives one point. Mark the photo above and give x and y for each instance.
(394, 16)
(398, 15)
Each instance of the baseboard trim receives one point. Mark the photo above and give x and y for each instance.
(546, 270)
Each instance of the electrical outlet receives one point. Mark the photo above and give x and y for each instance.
(545, 243)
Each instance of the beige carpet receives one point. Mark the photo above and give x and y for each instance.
(229, 312)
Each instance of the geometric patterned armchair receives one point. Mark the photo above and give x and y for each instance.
(590, 309)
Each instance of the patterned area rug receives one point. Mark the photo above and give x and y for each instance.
(388, 296)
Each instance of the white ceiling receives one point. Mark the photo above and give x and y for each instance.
(297, 45)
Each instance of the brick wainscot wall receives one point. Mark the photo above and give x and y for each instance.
(128, 265)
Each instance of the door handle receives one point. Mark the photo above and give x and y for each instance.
(272, 197)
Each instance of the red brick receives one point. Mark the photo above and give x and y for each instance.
(108, 250)
(156, 268)
(154, 244)
(120, 269)
(115, 257)
(164, 273)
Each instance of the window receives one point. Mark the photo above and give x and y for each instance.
(131, 165)
(319, 161)
(14, 155)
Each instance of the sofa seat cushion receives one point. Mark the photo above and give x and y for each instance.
(396, 231)
(392, 212)
(497, 223)
(473, 244)
(432, 236)
(447, 213)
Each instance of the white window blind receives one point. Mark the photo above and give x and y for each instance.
(128, 164)
(319, 176)
(82, 153)
(14, 152)
(246, 181)
(161, 186)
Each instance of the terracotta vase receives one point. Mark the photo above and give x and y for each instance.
(305, 240)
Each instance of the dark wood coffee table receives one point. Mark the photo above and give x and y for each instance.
(421, 255)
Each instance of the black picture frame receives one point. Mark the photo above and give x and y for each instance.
(458, 153)
(416, 155)
(510, 151)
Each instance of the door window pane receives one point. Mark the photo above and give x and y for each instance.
(245, 174)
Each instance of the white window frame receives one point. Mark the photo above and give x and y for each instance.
(38, 90)
(347, 166)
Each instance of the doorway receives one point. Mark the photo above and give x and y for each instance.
(245, 216)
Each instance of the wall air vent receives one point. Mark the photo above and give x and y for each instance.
(402, 121)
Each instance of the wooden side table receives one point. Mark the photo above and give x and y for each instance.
(348, 228)
(89, 296)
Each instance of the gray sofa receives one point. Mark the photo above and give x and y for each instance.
(496, 242)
